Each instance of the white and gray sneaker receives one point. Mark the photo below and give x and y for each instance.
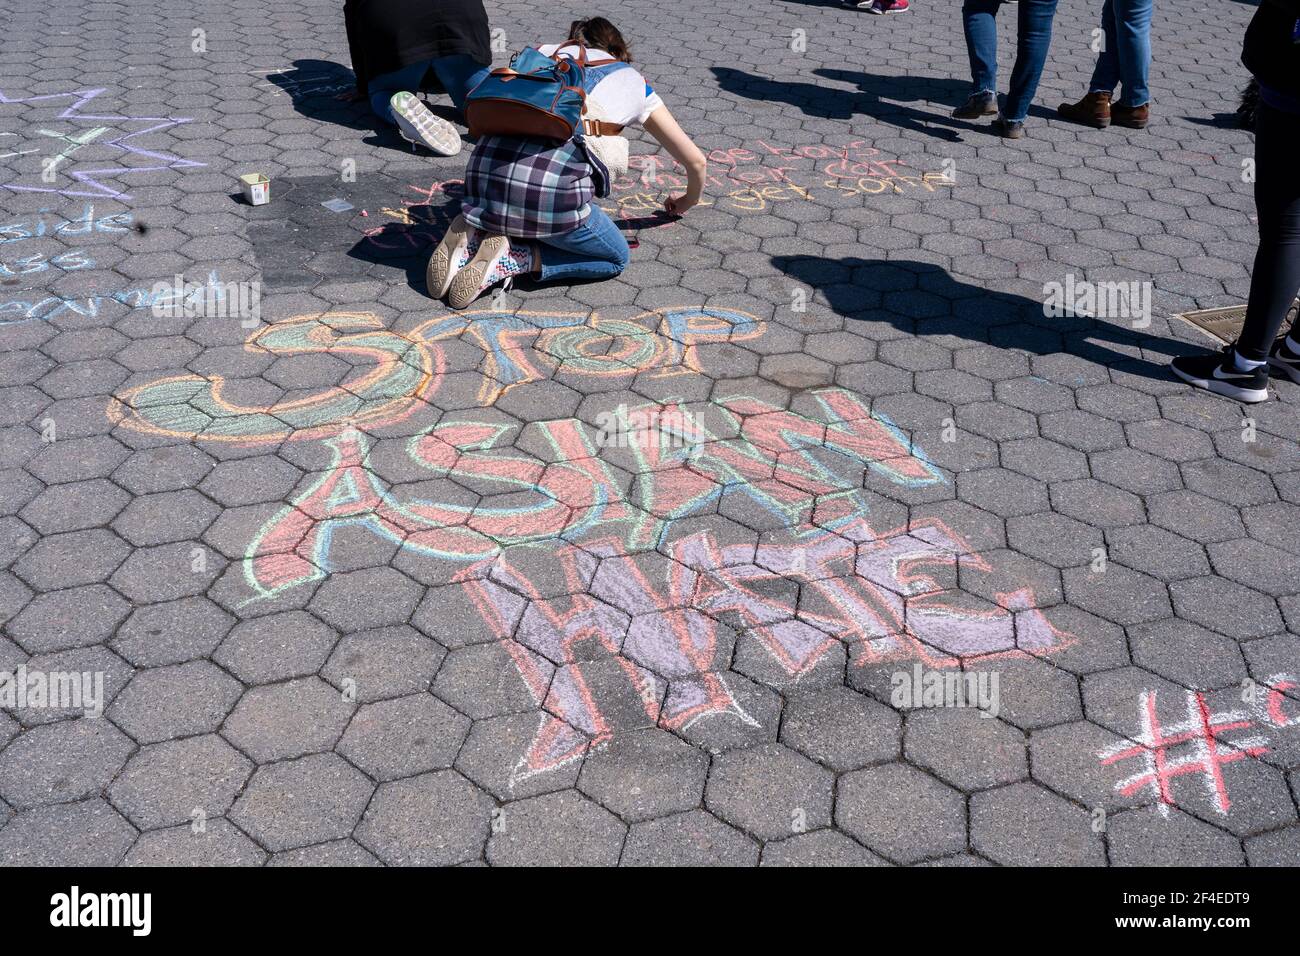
(480, 273)
(1218, 373)
(418, 124)
(449, 258)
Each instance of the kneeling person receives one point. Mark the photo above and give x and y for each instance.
(528, 207)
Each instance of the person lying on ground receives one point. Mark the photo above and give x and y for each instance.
(528, 206)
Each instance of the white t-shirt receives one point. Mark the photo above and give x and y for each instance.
(623, 94)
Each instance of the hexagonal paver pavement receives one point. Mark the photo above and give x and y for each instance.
(812, 538)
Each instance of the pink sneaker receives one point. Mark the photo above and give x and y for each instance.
(885, 6)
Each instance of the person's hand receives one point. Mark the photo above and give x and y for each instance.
(679, 205)
(351, 96)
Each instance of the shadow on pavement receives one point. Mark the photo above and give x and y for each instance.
(315, 87)
(880, 97)
(922, 298)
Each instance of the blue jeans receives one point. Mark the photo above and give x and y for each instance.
(458, 75)
(1033, 37)
(595, 250)
(1127, 55)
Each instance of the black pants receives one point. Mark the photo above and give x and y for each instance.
(1276, 277)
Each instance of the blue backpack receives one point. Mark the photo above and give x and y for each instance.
(536, 96)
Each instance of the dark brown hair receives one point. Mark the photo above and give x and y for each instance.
(600, 33)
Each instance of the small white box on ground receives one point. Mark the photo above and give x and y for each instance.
(257, 188)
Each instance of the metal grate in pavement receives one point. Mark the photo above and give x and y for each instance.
(1225, 324)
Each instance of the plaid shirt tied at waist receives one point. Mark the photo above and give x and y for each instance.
(527, 188)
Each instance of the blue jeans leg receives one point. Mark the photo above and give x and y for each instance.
(383, 87)
(1105, 75)
(595, 250)
(458, 75)
(979, 23)
(1034, 36)
(1127, 57)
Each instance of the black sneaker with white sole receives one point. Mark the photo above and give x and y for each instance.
(1218, 373)
(1286, 360)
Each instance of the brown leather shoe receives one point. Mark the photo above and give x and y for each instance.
(1092, 110)
(1134, 117)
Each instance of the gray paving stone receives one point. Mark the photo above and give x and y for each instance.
(499, 756)
(402, 737)
(965, 749)
(841, 728)
(387, 662)
(1064, 759)
(300, 802)
(164, 784)
(167, 572)
(1225, 607)
(1187, 654)
(71, 559)
(819, 848)
(1279, 848)
(346, 600)
(694, 838)
(1156, 552)
(90, 833)
(562, 828)
(68, 760)
(901, 813)
(1117, 594)
(171, 633)
(218, 844)
(645, 774)
(335, 853)
(435, 819)
(167, 702)
(1145, 838)
(276, 647)
(770, 791)
(1025, 825)
(75, 617)
(482, 680)
(292, 719)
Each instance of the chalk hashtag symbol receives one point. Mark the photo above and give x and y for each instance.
(1199, 750)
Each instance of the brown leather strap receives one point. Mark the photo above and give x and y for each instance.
(600, 128)
(582, 55)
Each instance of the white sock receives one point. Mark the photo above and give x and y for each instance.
(1244, 364)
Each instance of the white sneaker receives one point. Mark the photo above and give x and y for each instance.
(449, 257)
(418, 124)
(475, 279)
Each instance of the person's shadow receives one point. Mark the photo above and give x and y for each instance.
(315, 87)
(408, 245)
(921, 298)
(883, 98)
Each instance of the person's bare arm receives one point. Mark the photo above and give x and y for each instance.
(661, 125)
